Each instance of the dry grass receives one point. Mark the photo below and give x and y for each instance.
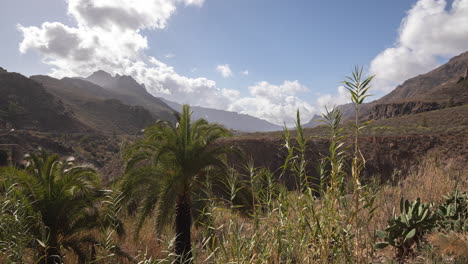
(452, 245)
(297, 228)
(289, 236)
(430, 181)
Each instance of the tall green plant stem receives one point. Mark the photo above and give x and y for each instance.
(358, 90)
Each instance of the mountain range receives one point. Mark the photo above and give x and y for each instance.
(91, 118)
(119, 104)
(231, 120)
(445, 86)
(106, 95)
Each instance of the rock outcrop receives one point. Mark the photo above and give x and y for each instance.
(383, 111)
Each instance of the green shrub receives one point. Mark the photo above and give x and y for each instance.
(453, 213)
(407, 229)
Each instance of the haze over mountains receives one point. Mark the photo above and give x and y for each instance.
(134, 93)
(231, 120)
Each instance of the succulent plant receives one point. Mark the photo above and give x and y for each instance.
(453, 213)
(405, 230)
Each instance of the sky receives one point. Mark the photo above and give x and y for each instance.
(266, 58)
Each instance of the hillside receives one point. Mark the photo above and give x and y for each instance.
(389, 145)
(231, 120)
(441, 121)
(445, 86)
(441, 81)
(129, 91)
(25, 104)
(97, 107)
(126, 89)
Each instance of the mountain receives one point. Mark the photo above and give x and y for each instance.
(97, 107)
(129, 91)
(230, 120)
(25, 104)
(442, 82)
(445, 86)
(314, 121)
(89, 98)
(126, 89)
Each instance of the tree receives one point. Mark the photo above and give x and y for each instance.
(65, 196)
(166, 168)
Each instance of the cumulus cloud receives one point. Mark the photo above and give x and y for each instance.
(276, 103)
(108, 36)
(245, 73)
(330, 100)
(225, 70)
(432, 30)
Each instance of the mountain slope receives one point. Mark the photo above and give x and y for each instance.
(25, 104)
(131, 92)
(445, 86)
(96, 106)
(435, 82)
(230, 120)
(126, 89)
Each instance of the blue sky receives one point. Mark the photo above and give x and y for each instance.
(296, 52)
(315, 42)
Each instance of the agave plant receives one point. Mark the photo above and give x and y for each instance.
(407, 229)
(453, 213)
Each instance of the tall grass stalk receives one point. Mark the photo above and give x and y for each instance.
(358, 88)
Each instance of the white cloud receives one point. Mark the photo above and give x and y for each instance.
(225, 70)
(245, 73)
(430, 31)
(108, 36)
(331, 100)
(275, 103)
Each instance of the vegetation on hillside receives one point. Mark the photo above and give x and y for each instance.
(201, 210)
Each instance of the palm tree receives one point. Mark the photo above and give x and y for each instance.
(65, 196)
(166, 169)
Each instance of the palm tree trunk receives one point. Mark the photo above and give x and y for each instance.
(183, 246)
(53, 256)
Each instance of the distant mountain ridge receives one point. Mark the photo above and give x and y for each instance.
(126, 89)
(230, 120)
(133, 93)
(445, 86)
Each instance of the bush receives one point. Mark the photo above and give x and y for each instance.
(406, 230)
(453, 213)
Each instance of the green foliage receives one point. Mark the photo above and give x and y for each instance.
(296, 159)
(357, 87)
(453, 213)
(64, 196)
(16, 222)
(407, 229)
(417, 219)
(167, 166)
(335, 176)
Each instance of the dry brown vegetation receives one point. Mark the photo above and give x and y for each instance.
(244, 239)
